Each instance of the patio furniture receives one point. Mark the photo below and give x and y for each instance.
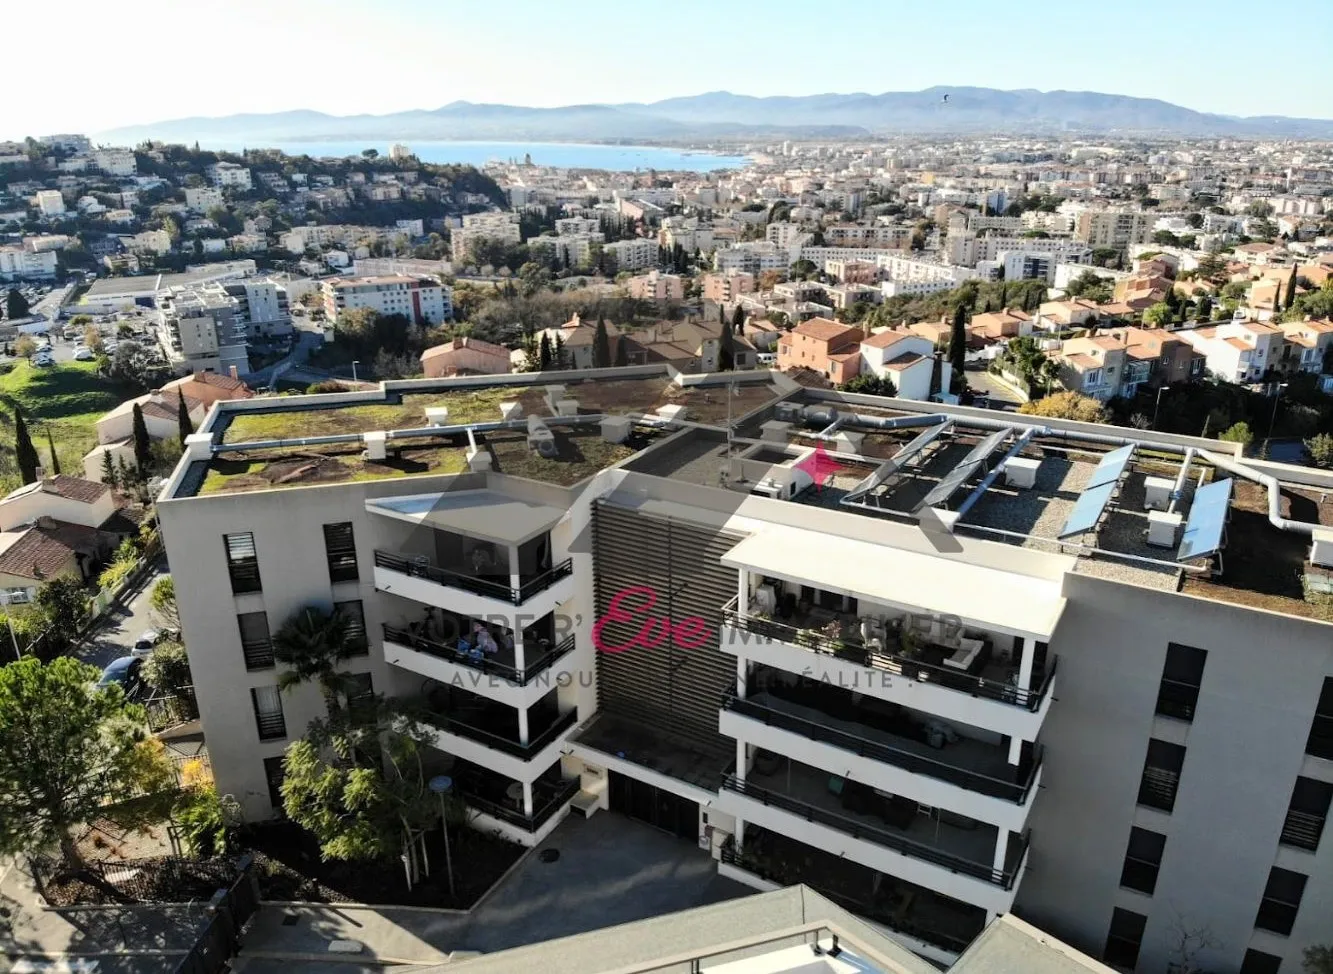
(966, 654)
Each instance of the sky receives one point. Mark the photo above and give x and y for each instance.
(140, 61)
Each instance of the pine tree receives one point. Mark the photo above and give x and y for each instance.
(544, 358)
(1291, 289)
(183, 417)
(125, 476)
(958, 340)
(25, 454)
(51, 448)
(109, 471)
(601, 346)
(143, 446)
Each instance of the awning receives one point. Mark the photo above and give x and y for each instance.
(484, 514)
(1009, 602)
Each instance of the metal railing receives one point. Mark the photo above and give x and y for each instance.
(1158, 788)
(258, 653)
(476, 660)
(271, 726)
(1014, 791)
(1176, 699)
(1302, 830)
(499, 742)
(853, 649)
(545, 805)
(1004, 878)
(418, 568)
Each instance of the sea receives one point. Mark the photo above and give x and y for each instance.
(569, 155)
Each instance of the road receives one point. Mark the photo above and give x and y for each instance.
(120, 627)
(293, 366)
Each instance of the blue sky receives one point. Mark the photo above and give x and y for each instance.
(218, 57)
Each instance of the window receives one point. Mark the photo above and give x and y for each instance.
(340, 547)
(355, 615)
(242, 563)
(256, 645)
(1161, 775)
(1182, 675)
(268, 713)
(1320, 741)
(360, 694)
(1306, 813)
(1257, 962)
(273, 774)
(1122, 941)
(1142, 860)
(1282, 898)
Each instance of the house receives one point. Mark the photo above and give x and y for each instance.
(1308, 345)
(208, 387)
(161, 416)
(1002, 325)
(656, 286)
(1156, 357)
(828, 347)
(1063, 314)
(465, 356)
(691, 346)
(65, 498)
(1237, 351)
(907, 359)
(1093, 365)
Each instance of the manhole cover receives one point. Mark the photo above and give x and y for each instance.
(290, 919)
(549, 855)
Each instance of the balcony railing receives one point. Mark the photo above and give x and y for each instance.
(258, 653)
(271, 726)
(854, 650)
(477, 660)
(1004, 878)
(545, 804)
(1016, 792)
(509, 745)
(471, 583)
(1302, 830)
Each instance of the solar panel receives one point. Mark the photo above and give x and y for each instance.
(946, 487)
(1110, 468)
(1088, 511)
(1208, 517)
(987, 446)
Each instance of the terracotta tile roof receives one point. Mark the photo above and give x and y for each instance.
(475, 344)
(46, 548)
(904, 361)
(822, 329)
(884, 339)
(809, 378)
(74, 488)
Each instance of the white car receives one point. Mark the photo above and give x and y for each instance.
(146, 643)
(84, 354)
(44, 347)
(43, 361)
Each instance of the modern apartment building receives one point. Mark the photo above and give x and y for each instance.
(421, 300)
(1113, 228)
(230, 175)
(19, 263)
(482, 226)
(638, 254)
(50, 202)
(938, 663)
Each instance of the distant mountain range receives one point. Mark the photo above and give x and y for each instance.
(721, 115)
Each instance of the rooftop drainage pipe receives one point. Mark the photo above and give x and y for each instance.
(1274, 492)
(1178, 490)
(989, 479)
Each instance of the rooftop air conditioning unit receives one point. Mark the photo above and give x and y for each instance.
(1163, 529)
(1157, 493)
(1321, 550)
(787, 412)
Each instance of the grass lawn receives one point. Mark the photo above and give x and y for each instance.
(66, 399)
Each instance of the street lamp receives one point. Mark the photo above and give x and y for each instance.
(354, 365)
(1157, 404)
(442, 784)
(1272, 421)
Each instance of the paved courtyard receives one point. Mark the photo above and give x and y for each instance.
(610, 870)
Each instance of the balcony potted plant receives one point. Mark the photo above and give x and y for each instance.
(909, 649)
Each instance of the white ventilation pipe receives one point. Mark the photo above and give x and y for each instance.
(1275, 517)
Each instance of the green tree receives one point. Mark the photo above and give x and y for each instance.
(163, 601)
(312, 644)
(1237, 433)
(601, 346)
(167, 669)
(25, 347)
(958, 340)
(16, 305)
(1320, 447)
(143, 446)
(726, 350)
(738, 319)
(867, 383)
(1066, 405)
(544, 353)
(72, 754)
(109, 471)
(1291, 290)
(1159, 315)
(51, 449)
(183, 422)
(1318, 960)
(25, 454)
(622, 352)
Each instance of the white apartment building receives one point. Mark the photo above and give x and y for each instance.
(1237, 351)
(151, 241)
(753, 258)
(20, 264)
(656, 286)
(115, 162)
(201, 199)
(73, 144)
(50, 202)
(785, 235)
(482, 226)
(229, 175)
(1100, 728)
(969, 249)
(636, 254)
(398, 152)
(421, 300)
(573, 250)
(689, 238)
(576, 225)
(1113, 228)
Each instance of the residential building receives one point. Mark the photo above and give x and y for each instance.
(207, 388)
(1053, 315)
(229, 175)
(115, 162)
(1000, 325)
(1307, 348)
(853, 271)
(824, 346)
(477, 227)
(151, 242)
(202, 330)
(656, 286)
(726, 287)
(201, 199)
(907, 359)
(72, 144)
(968, 249)
(421, 300)
(753, 258)
(161, 413)
(1093, 365)
(398, 152)
(1103, 728)
(19, 263)
(50, 202)
(465, 356)
(637, 254)
(388, 266)
(1113, 228)
(1237, 351)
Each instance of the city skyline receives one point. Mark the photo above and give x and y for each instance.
(463, 55)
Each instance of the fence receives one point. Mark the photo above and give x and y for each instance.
(228, 912)
(168, 709)
(162, 879)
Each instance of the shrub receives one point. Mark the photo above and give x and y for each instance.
(207, 821)
(1321, 449)
(167, 668)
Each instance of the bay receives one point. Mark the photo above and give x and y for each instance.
(570, 155)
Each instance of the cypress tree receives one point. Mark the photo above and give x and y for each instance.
(183, 417)
(25, 454)
(958, 340)
(738, 318)
(143, 446)
(51, 448)
(601, 346)
(109, 471)
(1291, 289)
(622, 352)
(544, 353)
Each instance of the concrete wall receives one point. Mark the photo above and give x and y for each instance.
(1244, 751)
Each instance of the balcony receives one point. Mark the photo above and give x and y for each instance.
(473, 725)
(899, 753)
(538, 659)
(548, 798)
(834, 636)
(487, 586)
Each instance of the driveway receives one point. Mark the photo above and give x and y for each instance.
(115, 633)
(610, 870)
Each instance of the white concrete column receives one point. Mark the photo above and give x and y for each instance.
(520, 657)
(527, 798)
(740, 761)
(1001, 849)
(515, 576)
(523, 725)
(1015, 750)
(742, 665)
(1025, 663)
(740, 833)
(743, 596)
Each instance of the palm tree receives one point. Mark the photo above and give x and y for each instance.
(311, 644)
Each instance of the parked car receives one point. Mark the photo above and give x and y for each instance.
(150, 639)
(84, 354)
(126, 673)
(43, 361)
(45, 347)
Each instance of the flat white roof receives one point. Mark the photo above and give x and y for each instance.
(1009, 602)
(485, 514)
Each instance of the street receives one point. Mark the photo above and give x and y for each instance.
(114, 635)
